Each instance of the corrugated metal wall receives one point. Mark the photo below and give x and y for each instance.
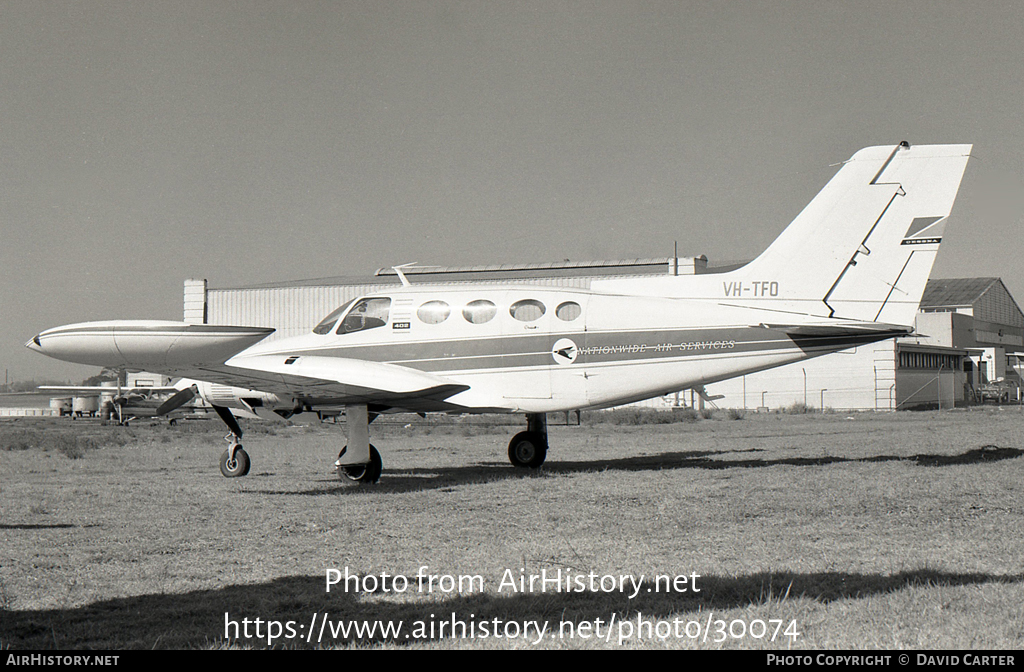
(858, 378)
(195, 301)
(290, 310)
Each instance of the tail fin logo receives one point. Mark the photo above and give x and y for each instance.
(924, 230)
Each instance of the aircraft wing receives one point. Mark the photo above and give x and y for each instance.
(216, 354)
(101, 389)
(334, 380)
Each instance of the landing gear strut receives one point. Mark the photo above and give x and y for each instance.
(358, 460)
(234, 461)
(529, 448)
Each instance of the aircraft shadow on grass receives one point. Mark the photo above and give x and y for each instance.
(200, 619)
(420, 479)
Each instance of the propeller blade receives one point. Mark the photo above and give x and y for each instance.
(177, 400)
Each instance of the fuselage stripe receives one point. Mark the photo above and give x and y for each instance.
(593, 349)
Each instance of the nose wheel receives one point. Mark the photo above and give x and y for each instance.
(234, 462)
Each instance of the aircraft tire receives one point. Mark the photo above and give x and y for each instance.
(528, 449)
(364, 473)
(236, 467)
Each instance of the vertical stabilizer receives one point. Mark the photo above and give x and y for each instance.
(863, 248)
(885, 278)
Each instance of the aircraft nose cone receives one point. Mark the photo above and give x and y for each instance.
(33, 343)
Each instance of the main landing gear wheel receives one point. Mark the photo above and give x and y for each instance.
(363, 473)
(233, 467)
(528, 449)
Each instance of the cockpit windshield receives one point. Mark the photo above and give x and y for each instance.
(328, 322)
(366, 314)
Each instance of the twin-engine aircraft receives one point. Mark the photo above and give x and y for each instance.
(849, 270)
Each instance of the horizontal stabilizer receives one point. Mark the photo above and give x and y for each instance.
(840, 329)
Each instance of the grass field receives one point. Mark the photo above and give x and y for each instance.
(855, 530)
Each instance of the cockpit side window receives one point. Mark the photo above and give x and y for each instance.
(365, 314)
(327, 323)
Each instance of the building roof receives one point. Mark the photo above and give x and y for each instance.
(950, 292)
(562, 269)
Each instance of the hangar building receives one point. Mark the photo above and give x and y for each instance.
(294, 308)
(970, 331)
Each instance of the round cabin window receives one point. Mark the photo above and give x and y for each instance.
(527, 310)
(479, 311)
(568, 311)
(434, 312)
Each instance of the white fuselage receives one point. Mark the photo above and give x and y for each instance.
(540, 349)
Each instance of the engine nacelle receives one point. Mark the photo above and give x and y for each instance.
(252, 401)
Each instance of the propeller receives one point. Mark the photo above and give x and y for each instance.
(177, 400)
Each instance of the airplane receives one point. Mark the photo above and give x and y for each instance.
(123, 399)
(130, 402)
(848, 271)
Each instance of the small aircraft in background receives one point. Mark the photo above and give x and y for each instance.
(849, 270)
(124, 404)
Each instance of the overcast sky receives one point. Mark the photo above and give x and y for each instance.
(145, 142)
